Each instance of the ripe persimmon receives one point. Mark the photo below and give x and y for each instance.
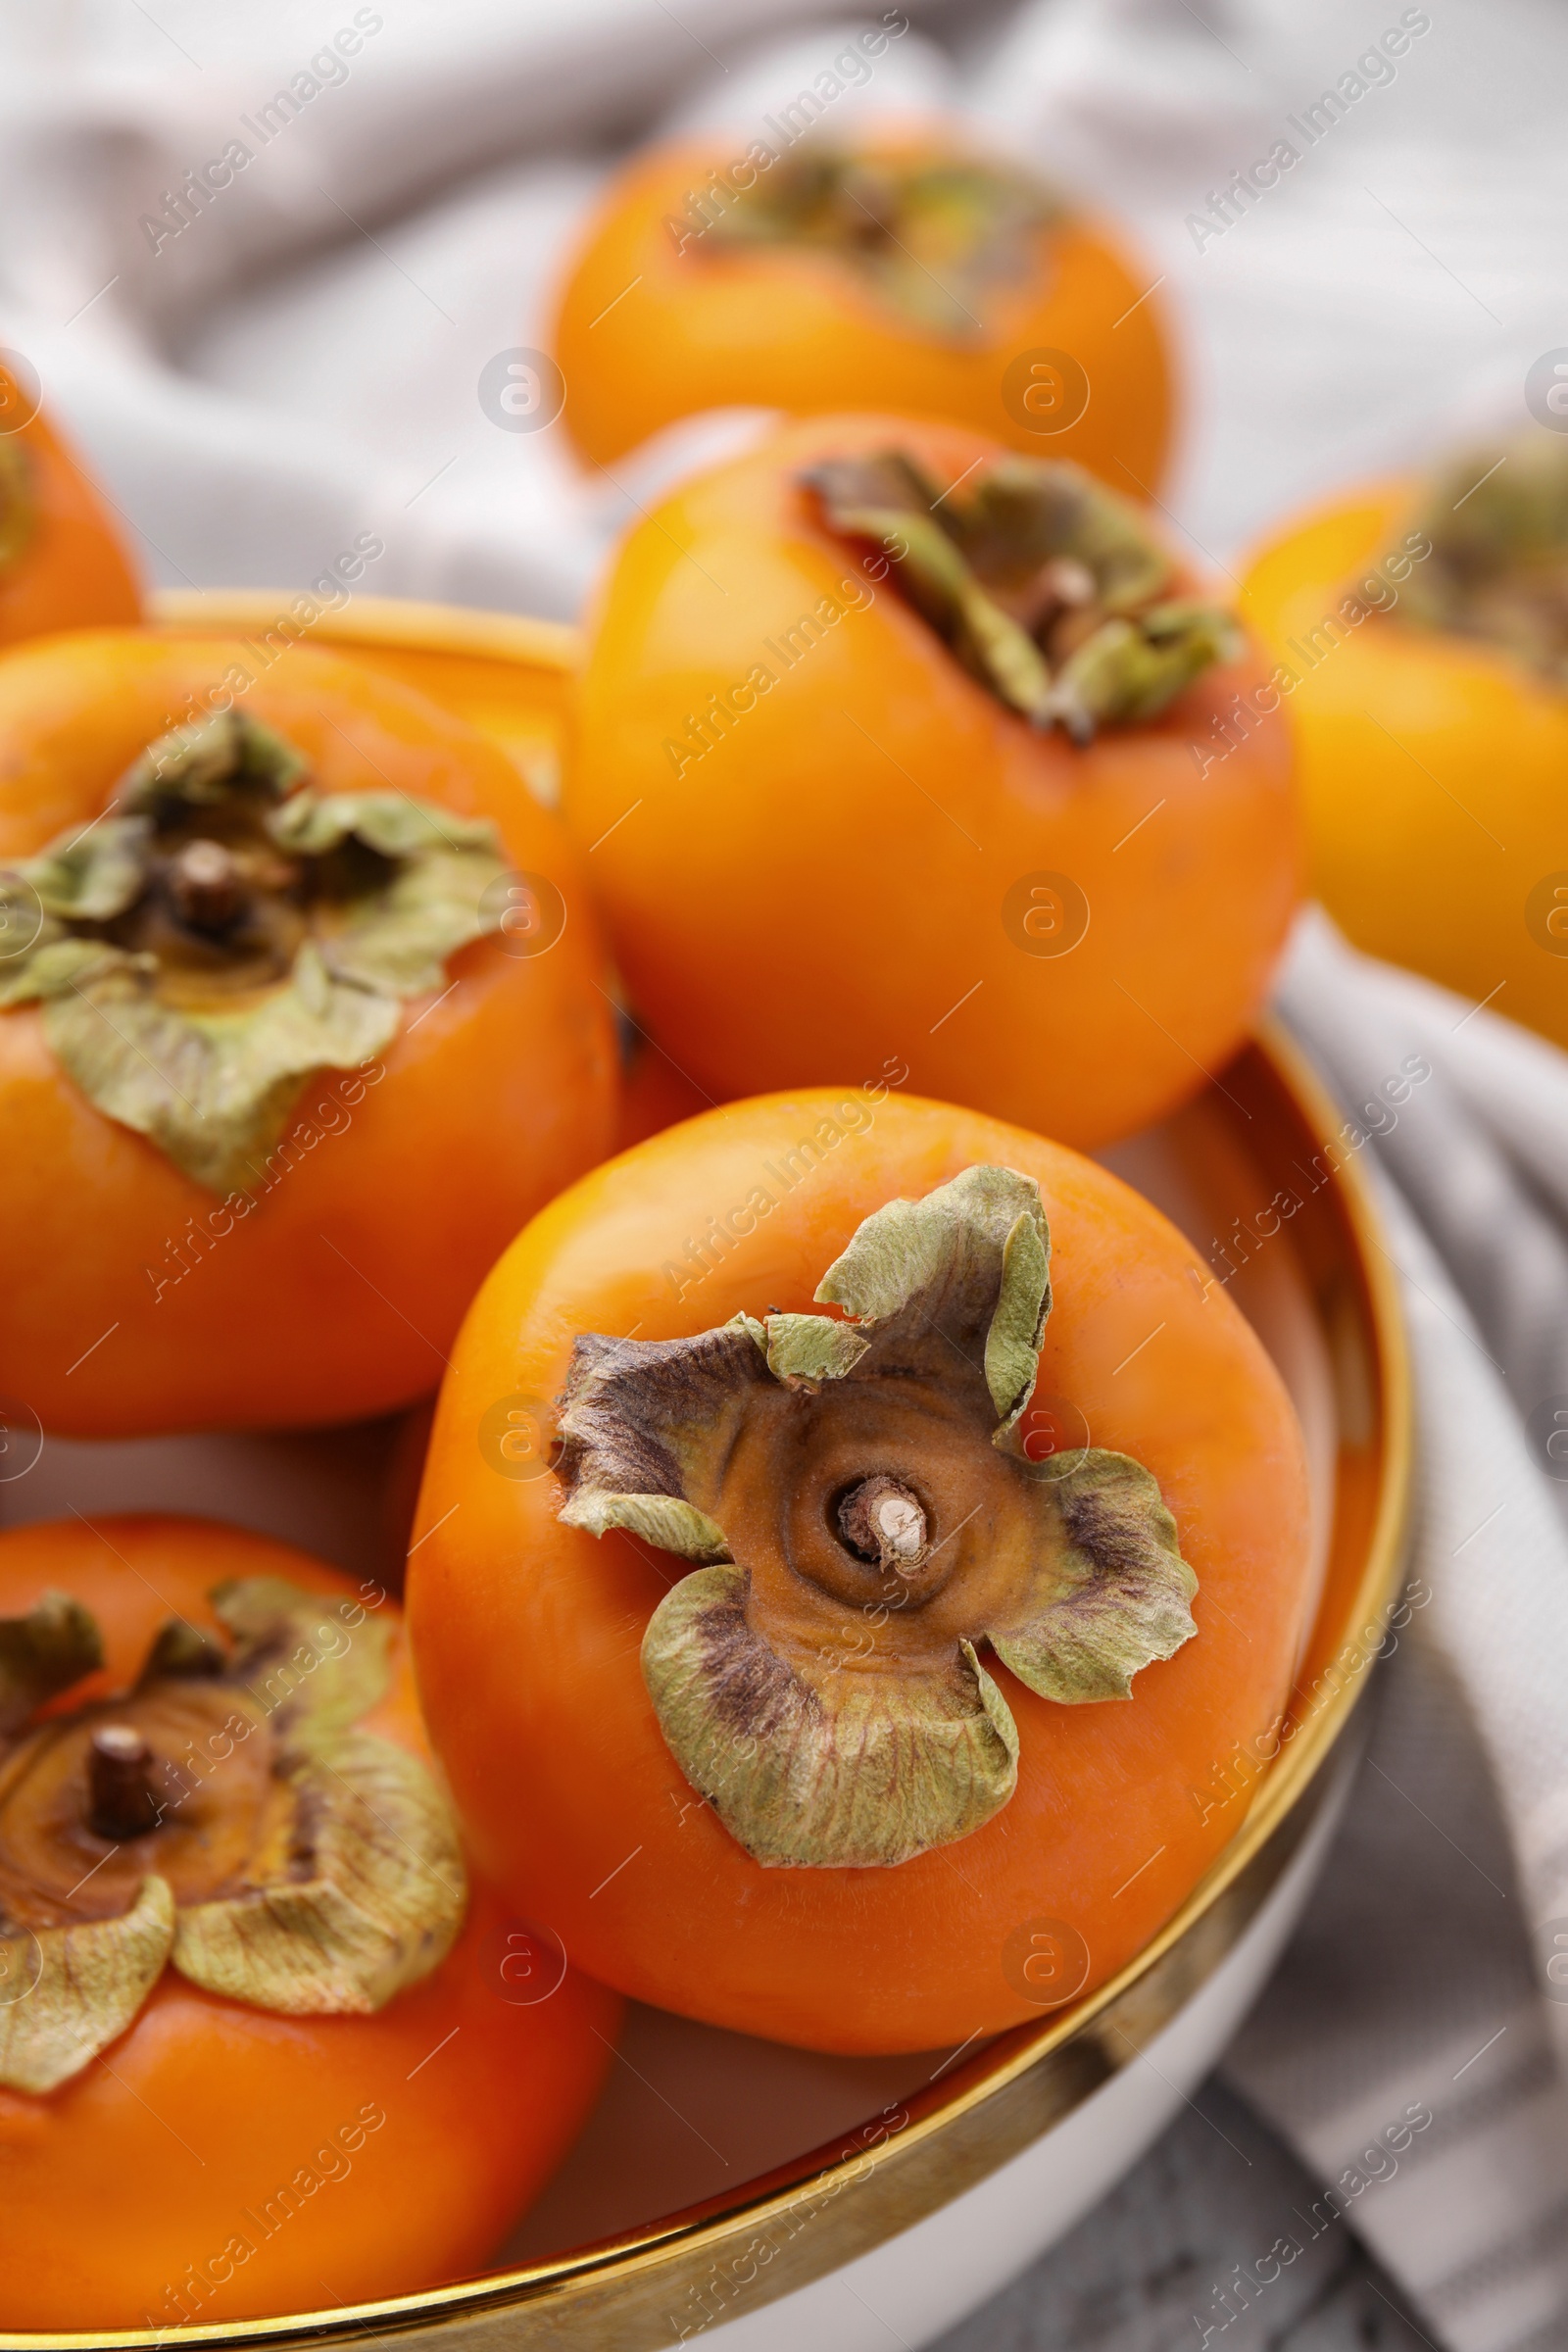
(300, 1018)
(891, 747)
(1421, 635)
(897, 262)
(260, 2049)
(945, 1605)
(62, 563)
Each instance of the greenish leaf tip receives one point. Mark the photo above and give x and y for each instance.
(1045, 586)
(1492, 522)
(54, 1645)
(805, 1779)
(226, 933)
(353, 1891)
(935, 238)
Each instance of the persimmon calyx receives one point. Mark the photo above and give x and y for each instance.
(865, 1520)
(18, 515)
(42, 1655)
(88, 1981)
(224, 931)
(1043, 584)
(933, 237)
(226, 1816)
(1497, 521)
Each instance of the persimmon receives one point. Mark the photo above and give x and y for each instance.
(1421, 634)
(301, 1017)
(853, 1678)
(894, 747)
(260, 2049)
(896, 261)
(62, 563)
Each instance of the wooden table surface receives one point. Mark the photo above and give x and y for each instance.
(1140, 2274)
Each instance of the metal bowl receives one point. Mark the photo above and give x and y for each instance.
(906, 2220)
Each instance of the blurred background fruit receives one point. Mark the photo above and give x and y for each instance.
(1421, 632)
(902, 266)
(63, 565)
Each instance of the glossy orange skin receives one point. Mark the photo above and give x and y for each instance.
(336, 1294)
(1431, 768)
(112, 2186)
(526, 1633)
(822, 891)
(779, 328)
(73, 572)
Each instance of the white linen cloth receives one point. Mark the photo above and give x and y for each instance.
(1419, 1975)
(297, 361)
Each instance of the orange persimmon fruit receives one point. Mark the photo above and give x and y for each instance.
(899, 263)
(892, 747)
(847, 1679)
(1418, 628)
(300, 1019)
(62, 563)
(196, 1712)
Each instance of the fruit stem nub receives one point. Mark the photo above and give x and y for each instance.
(205, 884)
(881, 1520)
(121, 1799)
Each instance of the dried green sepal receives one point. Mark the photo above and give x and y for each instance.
(1019, 517)
(817, 1771)
(92, 1979)
(812, 1348)
(213, 1091)
(181, 1651)
(296, 1651)
(95, 874)
(660, 1519)
(1043, 584)
(933, 238)
(1111, 1594)
(646, 1419)
(209, 762)
(388, 822)
(819, 1684)
(395, 940)
(884, 500)
(378, 1906)
(1495, 518)
(298, 1863)
(952, 1276)
(1018, 1325)
(55, 966)
(225, 932)
(1128, 672)
(18, 511)
(43, 1653)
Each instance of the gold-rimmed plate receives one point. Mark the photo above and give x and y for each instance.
(1260, 1174)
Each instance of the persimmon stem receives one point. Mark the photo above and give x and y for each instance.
(206, 885)
(121, 1799)
(881, 1520)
